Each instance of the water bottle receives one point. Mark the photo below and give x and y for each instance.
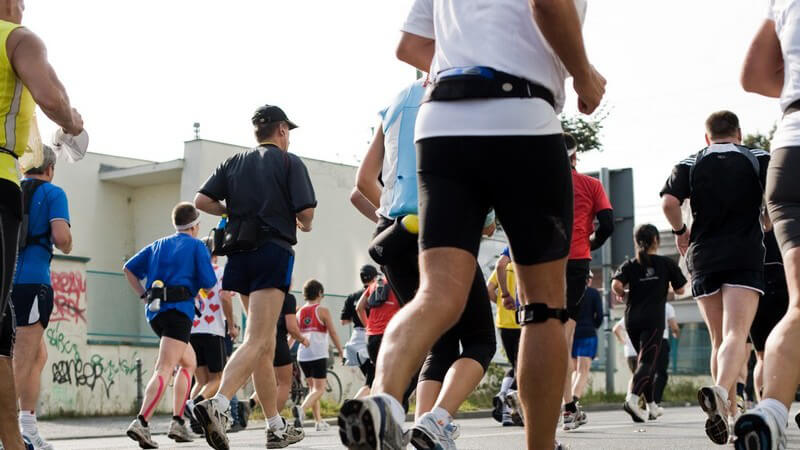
(155, 304)
(222, 222)
(411, 223)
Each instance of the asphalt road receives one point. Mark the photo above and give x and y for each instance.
(679, 428)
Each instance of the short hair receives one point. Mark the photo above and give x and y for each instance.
(312, 289)
(267, 130)
(722, 124)
(184, 213)
(48, 160)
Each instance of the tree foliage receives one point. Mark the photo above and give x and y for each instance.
(760, 140)
(586, 130)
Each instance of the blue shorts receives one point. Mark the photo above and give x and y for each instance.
(269, 266)
(585, 347)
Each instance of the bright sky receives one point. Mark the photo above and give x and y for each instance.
(142, 72)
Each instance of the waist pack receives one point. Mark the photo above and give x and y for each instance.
(239, 235)
(461, 83)
(169, 294)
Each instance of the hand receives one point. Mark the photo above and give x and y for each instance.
(305, 342)
(590, 89)
(509, 302)
(619, 299)
(234, 332)
(302, 227)
(682, 241)
(77, 123)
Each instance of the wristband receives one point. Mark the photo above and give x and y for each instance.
(681, 231)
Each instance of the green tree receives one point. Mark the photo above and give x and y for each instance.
(759, 140)
(586, 130)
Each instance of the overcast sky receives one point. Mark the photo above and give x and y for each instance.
(142, 72)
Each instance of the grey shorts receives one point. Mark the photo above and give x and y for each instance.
(783, 196)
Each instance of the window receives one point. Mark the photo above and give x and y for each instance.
(115, 315)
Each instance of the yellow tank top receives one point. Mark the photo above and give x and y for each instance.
(16, 110)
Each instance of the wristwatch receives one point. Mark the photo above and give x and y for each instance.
(681, 231)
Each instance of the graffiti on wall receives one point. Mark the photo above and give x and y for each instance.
(69, 288)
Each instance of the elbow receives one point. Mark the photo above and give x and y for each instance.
(544, 6)
(355, 196)
(403, 51)
(670, 203)
(201, 202)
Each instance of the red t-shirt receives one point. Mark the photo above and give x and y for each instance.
(380, 316)
(590, 198)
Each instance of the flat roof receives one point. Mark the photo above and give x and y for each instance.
(143, 175)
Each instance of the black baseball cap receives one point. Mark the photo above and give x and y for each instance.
(269, 114)
(368, 273)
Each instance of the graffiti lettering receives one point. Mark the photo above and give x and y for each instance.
(62, 344)
(68, 289)
(80, 373)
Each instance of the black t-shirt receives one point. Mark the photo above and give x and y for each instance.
(648, 288)
(590, 314)
(289, 307)
(267, 183)
(349, 309)
(726, 196)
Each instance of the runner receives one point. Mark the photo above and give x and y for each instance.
(356, 348)
(208, 339)
(28, 80)
(648, 278)
(32, 294)
(457, 157)
(584, 350)
(268, 196)
(662, 364)
(316, 324)
(770, 69)
(509, 335)
(724, 251)
(287, 328)
(590, 203)
(175, 268)
(459, 359)
(631, 357)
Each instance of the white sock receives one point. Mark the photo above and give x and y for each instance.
(652, 406)
(275, 423)
(632, 398)
(506, 385)
(223, 402)
(27, 421)
(777, 409)
(398, 413)
(442, 414)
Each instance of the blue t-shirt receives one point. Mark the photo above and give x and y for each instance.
(177, 260)
(49, 203)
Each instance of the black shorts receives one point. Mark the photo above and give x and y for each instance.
(577, 275)
(7, 331)
(268, 267)
(283, 356)
(708, 284)
(210, 351)
(783, 196)
(510, 338)
(32, 303)
(772, 306)
(317, 368)
(172, 324)
(457, 179)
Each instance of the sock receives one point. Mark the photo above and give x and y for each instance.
(740, 389)
(198, 399)
(506, 385)
(222, 401)
(27, 421)
(441, 414)
(178, 419)
(632, 398)
(652, 406)
(777, 410)
(252, 403)
(571, 407)
(142, 421)
(398, 413)
(275, 423)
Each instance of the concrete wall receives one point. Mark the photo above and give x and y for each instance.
(151, 209)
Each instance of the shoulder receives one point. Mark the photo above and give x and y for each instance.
(690, 160)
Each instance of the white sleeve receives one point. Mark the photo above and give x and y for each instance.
(669, 311)
(420, 19)
(770, 10)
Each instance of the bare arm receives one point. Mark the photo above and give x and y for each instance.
(61, 235)
(361, 309)
(135, 283)
(618, 332)
(370, 169)
(304, 219)
(325, 315)
(28, 57)
(502, 277)
(416, 50)
(294, 330)
(209, 205)
(672, 210)
(619, 289)
(762, 72)
(559, 23)
(226, 299)
(492, 288)
(676, 330)
(364, 206)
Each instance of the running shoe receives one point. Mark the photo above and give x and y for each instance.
(797, 419)
(429, 433)
(285, 437)
(637, 413)
(37, 440)
(581, 418)
(178, 432)
(497, 410)
(214, 422)
(507, 422)
(715, 407)
(368, 424)
(560, 446)
(244, 413)
(512, 400)
(194, 425)
(655, 413)
(757, 429)
(570, 422)
(740, 404)
(140, 434)
(322, 426)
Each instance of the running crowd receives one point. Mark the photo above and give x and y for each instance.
(428, 181)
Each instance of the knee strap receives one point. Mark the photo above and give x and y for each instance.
(540, 312)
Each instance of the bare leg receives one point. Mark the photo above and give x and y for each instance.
(758, 375)
(739, 307)
(202, 376)
(283, 374)
(427, 393)
(183, 381)
(542, 362)
(317, 386)
(265, 383)
(364, 391)
(169, 353)
(30, 356)
(579, 387)
(711, 310)
(569, 334)
(460, 381)
(212, 386)
(9, 427)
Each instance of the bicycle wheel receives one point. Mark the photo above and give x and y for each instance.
(333, 389)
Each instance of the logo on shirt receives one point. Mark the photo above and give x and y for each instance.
(307, 321)
(651, 272)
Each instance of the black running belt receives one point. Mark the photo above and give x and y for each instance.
(463, 83)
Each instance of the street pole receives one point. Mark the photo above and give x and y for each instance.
(607, 262)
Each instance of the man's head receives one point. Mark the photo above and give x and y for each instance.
(723, 126)
(45, 170)
(572, 149)
(11, 10)
(367, 274)
(186, 218)
(313, 290)
(272, 125)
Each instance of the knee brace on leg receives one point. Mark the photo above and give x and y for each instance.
(540, 312)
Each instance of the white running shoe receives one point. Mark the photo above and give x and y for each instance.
(757, 429)
(429, 433)
(637, 413)
(178, 432)
(711, 400)
(512, 400)
(214, 422)
(368, 423)
(323, 426)
(38, 441)
(141, 434)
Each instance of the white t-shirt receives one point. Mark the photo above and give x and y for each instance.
(212, 319)
(786, 15)
(629, 350)
(500, 34)
(669, 313)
